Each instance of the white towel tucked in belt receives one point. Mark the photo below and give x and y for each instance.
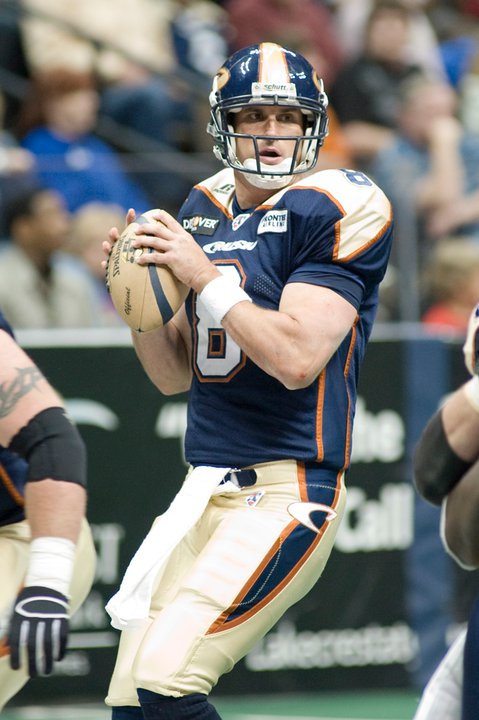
(129, 607)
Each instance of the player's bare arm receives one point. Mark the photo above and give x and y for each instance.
(295, 343)
(165, 354)
(171, 342)
(292, 344)
(55, 508)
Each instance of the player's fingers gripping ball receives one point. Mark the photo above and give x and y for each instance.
(145, 296)
(471, 346)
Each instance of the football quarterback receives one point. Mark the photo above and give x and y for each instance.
(283, 265)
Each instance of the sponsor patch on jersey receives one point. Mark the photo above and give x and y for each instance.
(253, 500)
(200, 224)
(225, 189)
(274, 221)
(239, 220)
(222, 246)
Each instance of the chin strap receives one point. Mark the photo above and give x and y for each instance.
(267, 180)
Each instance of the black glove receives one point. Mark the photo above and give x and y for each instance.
(40, 623)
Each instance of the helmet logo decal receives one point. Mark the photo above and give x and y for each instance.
(273, 66)
(222, 77)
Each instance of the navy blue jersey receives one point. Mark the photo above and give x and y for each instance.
(13, 473)
(333, 229)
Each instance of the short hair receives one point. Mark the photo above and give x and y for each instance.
(382, 6)
(46, 86)
(21, 204)
(417, 82)
(452, 261)
(89, 220)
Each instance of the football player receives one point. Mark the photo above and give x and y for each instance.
(284, 265)
(446, 472)
(47, 556)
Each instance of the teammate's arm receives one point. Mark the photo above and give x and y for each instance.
(33, 425)
(460, 521)
(446, 459)
(53, 507)
(449, 444)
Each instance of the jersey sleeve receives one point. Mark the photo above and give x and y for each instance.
(344, 240)
(345, 283)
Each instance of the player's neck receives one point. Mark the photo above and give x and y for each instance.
(248, 196)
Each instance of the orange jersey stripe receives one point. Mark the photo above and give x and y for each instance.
(5, 478)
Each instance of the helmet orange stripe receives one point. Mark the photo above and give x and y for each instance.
(273, 67)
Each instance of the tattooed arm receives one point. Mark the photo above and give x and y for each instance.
(54, 508)
(24, 392)
(34, 426)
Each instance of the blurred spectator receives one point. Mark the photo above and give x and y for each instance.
(458, 30)
(422, 47)
(16, 167)
(366, 92)
(335, 152)
(432, 164)
(457, 35)
(389, 296)
(470, 7)
(13, 63)
(200, 34)
(469, 93)
(40, 286)
(57, 126)
(90, 226)
(126, 44)
(451, 284)
(303, 25)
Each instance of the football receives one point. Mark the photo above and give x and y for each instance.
(145, 296)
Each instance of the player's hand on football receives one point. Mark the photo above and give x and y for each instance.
(38, 630)
(172, 245)
(113, 235)
(471, 345)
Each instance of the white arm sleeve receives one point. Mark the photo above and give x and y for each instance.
(442, 696)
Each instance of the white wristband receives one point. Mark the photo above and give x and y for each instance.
(51, 563)
(220, 295)
(471, 389)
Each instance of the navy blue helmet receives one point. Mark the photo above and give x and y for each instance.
(268, 74)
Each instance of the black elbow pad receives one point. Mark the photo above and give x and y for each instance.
(52, 446)
(437, 468)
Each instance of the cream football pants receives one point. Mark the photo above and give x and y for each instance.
(229, 580)
(14, 556)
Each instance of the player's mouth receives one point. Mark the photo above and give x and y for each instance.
(270, 156)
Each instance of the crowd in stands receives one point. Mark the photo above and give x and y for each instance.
(104, 103)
